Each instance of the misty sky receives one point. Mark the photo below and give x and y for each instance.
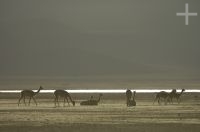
(98, 37)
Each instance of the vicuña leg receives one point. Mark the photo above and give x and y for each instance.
(24, 101)
(55, 101)
(64, 103)
(155, 100)
(20, 100)
(34, 101)
(67, 101)
(29, 101)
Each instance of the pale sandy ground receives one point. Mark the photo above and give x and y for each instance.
(110, 116)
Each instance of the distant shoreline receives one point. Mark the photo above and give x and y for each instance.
(107, 91)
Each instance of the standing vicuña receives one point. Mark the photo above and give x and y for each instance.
(177, 95)
(128, 97)
(166, 96)
(65, 95)
(30, 94)
(133, 102)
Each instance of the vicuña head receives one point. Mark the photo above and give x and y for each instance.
(183, 90)
(41, 88)
(100, 95)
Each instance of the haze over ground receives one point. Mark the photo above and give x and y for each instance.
(131, 38)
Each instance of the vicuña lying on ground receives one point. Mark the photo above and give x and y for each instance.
(92, 101)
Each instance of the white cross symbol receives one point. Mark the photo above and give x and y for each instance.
(186, 14)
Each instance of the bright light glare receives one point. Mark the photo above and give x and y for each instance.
(107, 91)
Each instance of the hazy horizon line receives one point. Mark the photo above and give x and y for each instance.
(107, 91)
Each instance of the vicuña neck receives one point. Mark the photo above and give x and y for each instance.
(181, 92)
(70, 99)
(37, 91)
